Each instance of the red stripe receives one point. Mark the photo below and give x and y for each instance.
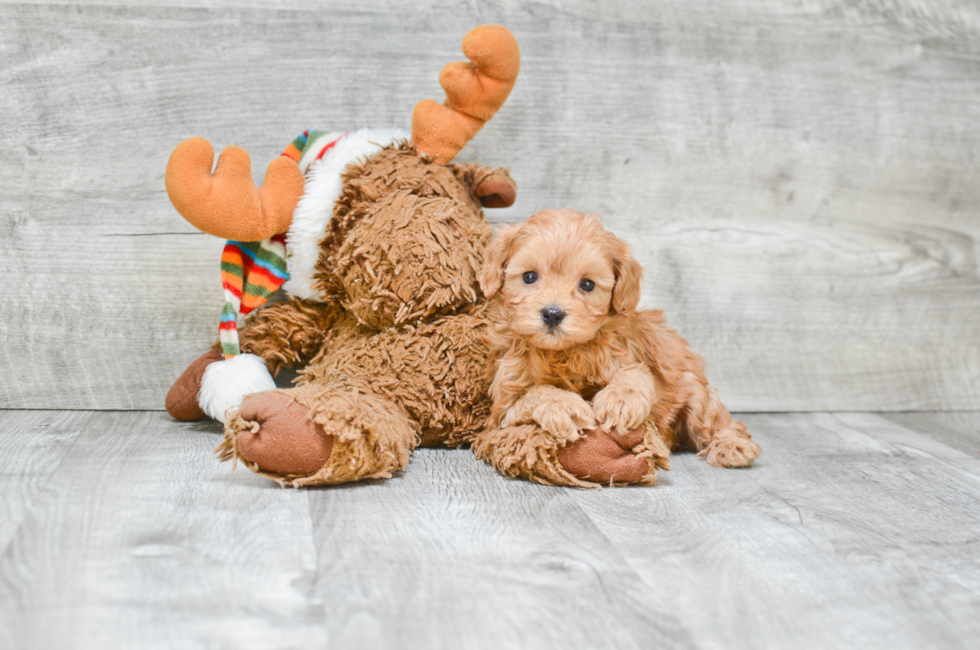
(329, 147)
(227, 325)
(258, 270)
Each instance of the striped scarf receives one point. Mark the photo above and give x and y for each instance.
(250, 273)
(253, 271)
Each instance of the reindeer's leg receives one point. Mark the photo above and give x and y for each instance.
(365, 403)
(182, 403)
(318, 435)
(288, 333)
(597, 457)
(281, 334)
(709, 427)
(548, 436)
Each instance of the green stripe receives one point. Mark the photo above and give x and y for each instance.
(251, 245)
(299, 141)
(314, 135)
(231, 267)
(256, 290)
(272, 259)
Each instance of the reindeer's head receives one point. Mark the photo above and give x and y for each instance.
(227, 204)
(405, 231)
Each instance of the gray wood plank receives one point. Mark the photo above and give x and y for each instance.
(960, 430)
(452, 555)
(141, 539)
(850, 531)
(32, 445)
(798, 180)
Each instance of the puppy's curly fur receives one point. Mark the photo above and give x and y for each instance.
(576, 365)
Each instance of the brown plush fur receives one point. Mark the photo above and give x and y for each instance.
(396, 356)
(604, 365)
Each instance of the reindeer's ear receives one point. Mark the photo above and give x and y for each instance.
(495, 260)
(497, 190)
(493, 188)
(629, 276)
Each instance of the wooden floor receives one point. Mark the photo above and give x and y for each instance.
(120, 530)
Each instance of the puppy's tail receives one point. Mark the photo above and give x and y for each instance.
(475, 91)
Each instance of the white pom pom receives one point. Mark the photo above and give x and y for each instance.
(226, 383)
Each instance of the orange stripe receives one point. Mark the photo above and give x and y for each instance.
(292, 152)
(250, 302)
(231, 279)
(263, 281)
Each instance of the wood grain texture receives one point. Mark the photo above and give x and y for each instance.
(959, 430)
(32, 446)
(850, 531)
(141, 539)
(452, 555)
(797, 178)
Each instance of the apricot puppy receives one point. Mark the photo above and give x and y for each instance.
(586, 389)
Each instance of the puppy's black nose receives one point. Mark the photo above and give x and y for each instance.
(553, 316)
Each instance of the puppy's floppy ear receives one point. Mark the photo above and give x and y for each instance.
(495, 260)
(629, 275)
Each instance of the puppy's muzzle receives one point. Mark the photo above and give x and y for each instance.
(552, 316)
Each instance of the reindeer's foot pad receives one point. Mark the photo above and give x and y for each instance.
(735, 450)
(597, 457)
(317, 435)
(182, 402)
(273, 434)
(605, 457)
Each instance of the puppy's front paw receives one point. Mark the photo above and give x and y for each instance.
(620, 409)
(564, 415)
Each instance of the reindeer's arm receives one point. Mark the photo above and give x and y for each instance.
(287, 333)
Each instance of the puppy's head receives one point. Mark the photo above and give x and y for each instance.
(560, 275)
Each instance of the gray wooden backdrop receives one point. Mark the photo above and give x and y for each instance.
(799, 178)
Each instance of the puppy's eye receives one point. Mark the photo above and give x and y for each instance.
(530, 277)
(586, 285)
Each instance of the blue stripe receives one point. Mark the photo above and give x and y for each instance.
(243, 247)
(271, 269)
(282, 275)
(227, 318)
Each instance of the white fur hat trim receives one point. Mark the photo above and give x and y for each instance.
(226, 383)
(315, 207)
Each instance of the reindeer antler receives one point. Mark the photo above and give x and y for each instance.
(228, 204)
(474, 92)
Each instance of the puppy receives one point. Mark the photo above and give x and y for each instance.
(586, 389)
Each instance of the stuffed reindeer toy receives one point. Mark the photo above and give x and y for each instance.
(377, 240)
